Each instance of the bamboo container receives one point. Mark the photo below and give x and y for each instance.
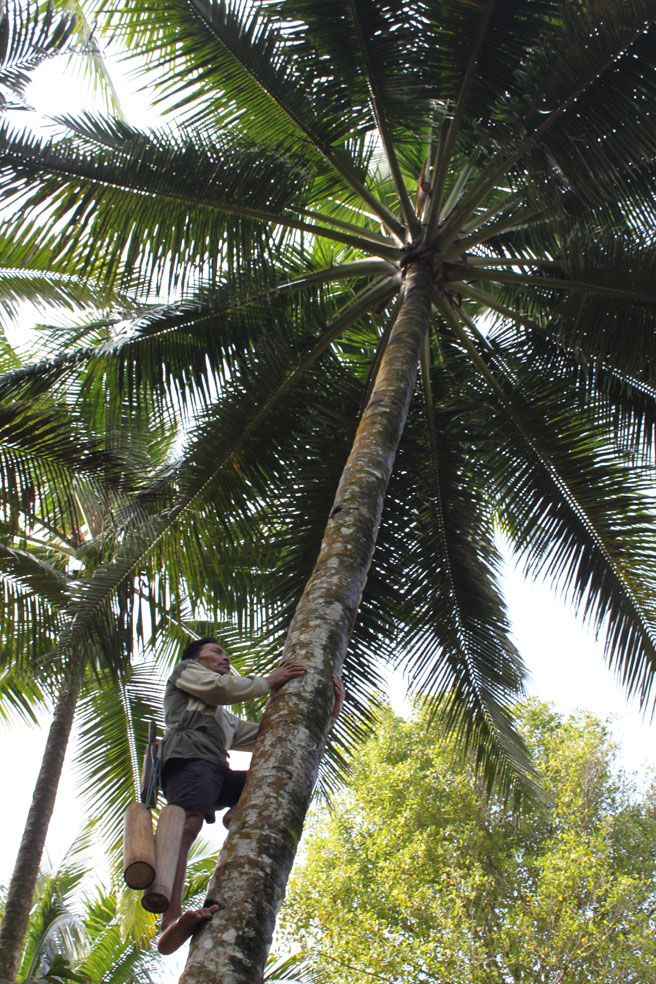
(157, 896)
(138, 846)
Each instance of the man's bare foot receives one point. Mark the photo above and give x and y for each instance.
(227, 817)
(179, 931)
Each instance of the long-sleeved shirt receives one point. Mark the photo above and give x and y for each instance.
(197, 723)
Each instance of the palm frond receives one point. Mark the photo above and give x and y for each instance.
(21, 698)
(29, 33)
(452, 630)
(112, 724)
(584, 65)
(247, 57)
(192, 195)
(595, 544)
(32, 596)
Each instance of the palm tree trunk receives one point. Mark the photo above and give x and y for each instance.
(13, 926)
(251, 876)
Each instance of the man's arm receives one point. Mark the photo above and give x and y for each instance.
(292, 668)
(219, 688)
(227, 688)
(246, 732)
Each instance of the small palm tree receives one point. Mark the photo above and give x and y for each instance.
(48, 656)
(81, 931)
(350, 194)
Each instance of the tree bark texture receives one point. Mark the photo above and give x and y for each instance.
(15, 919)
(251, 876)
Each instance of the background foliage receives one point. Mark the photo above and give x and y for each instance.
(412, 876)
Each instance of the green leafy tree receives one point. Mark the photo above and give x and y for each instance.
(347, 194)
(415, 876)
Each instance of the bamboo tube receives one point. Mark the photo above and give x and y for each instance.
(157, 896)
(138, 846)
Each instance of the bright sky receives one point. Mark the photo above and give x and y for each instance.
(566, 666)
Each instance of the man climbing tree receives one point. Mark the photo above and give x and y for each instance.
(195, 771)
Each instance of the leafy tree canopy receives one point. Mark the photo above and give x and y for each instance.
(414, 876)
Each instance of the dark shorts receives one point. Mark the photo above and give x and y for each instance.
(198, 785)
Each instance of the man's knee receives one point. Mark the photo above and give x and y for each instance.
(193, 823)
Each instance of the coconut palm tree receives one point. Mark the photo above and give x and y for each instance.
(350, 193)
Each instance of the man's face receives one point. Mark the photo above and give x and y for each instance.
(214, 657)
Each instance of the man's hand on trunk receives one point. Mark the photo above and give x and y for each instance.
(286, 671)
(293, 668)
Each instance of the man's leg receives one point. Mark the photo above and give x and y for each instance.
(193, 784)
(192, 827)
(233, 785)
(177, 928)
(196, 779)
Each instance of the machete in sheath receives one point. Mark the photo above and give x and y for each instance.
(151, 769)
